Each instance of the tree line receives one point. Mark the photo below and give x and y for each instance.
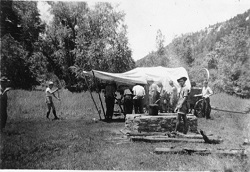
(80, 36)
(223, 48)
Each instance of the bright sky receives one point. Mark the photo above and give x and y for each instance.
(172, 17)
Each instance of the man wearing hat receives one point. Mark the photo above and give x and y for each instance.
(49, 101)
(182, 107)
(206, 93)
(4, 99)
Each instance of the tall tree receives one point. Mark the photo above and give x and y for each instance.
(21, 26)
(102, 43)
(160, 39)
(89, 38)
(30, 23)
(234, 58)
(14, 63)
(10, 22)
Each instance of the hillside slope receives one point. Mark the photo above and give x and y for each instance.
(223, 48)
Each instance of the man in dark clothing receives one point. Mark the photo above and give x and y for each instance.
(128, 101)
(4, 100)
(110, 99)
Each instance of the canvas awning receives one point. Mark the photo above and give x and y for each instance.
(141, 74)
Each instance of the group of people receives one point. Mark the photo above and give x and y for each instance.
(168, 101)
(131, 98)
(172, 101)
(134, 97)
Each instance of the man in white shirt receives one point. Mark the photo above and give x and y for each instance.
(206, 93)
(49, 93)
(139, 93)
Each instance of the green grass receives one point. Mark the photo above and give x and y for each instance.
(30, 141)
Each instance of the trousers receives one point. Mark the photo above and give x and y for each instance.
(138, 105)
(128, 105)
(207, 107)
(110, 102)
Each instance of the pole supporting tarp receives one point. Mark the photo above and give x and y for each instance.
(99, 95)
(92, 97)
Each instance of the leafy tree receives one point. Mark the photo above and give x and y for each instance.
(30, 23)
(14, 63)
(87, 38)
(101, 41)
(233, 53)
(21, 26)
(58, 42)
(160, 39)
(10, 22)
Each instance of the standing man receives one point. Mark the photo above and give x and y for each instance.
(163, 96)
(128, 100)
(172, 96)
(4, 100)
(153, 91)
(181, 107)
(110, 90)
(139, 93)
(206, 93)
(49, 102)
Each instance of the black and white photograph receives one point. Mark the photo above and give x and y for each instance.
(125, 85)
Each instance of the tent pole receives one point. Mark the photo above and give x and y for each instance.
(99, 95)
(92, 98)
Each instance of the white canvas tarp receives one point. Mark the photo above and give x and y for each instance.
(141, 74)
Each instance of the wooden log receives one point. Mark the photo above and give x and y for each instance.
(191, 136)
(225, 152)
(147, 134)
(211, 139)
(164, 139)
(172, 114)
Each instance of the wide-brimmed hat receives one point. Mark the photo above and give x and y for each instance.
(4, 79)
(182, 78)
(50, 83)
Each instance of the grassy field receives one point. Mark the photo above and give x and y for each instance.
(31, 141)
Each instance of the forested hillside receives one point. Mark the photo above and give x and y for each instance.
(32, 51)
(223, 48)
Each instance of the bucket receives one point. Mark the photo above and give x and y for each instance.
(153, 109)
